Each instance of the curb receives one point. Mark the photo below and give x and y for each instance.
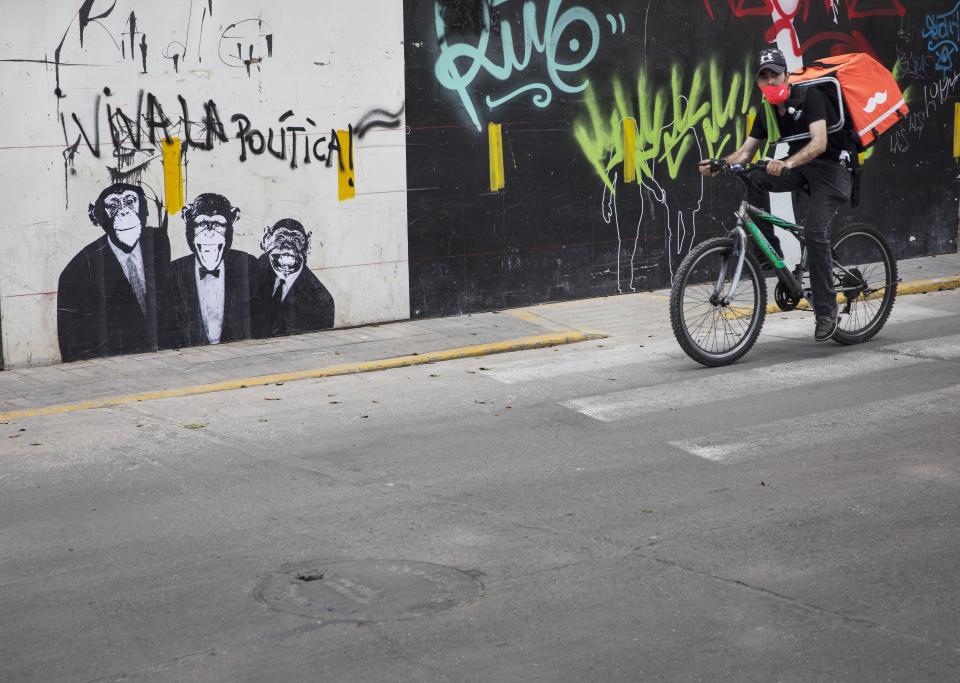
(936, 284)
(521, 344)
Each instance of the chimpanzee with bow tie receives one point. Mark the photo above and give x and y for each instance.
(211, 290)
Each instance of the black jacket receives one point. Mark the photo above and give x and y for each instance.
(184, 324)
(308, 306)
(97, 311)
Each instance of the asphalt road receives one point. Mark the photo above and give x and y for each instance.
(607, 511)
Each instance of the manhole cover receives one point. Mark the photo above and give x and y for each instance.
(368, 590)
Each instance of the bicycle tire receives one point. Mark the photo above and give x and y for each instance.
(872, 312)
(695, 266)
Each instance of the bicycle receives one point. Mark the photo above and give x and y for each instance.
(718, 301)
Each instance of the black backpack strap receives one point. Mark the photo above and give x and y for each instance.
(856, 170)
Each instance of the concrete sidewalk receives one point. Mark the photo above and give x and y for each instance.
(231, 366)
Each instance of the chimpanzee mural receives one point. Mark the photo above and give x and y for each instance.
(122, 294)
(292, 299)
(108, 295)
(212, 289)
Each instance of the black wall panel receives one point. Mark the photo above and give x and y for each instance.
(558, 231)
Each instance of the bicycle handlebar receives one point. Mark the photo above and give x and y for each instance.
(721, 166)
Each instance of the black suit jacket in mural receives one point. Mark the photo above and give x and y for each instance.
(97, 311)
(308, 306)
(184, 322)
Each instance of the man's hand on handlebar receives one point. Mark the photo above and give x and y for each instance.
(711, 167)
(714, 167)
(777, 166)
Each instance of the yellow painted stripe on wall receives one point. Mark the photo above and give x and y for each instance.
(173, 190)
(956, 130)
(495, 138)
(751, 117)
(629, 151)
(346, 179)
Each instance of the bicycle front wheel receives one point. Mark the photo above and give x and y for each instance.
(711, 331)
(865, 276)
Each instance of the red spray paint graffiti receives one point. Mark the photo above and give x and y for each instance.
(856, 9)
(876, 8)
(838, 41)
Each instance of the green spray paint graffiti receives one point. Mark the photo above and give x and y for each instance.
(703, 106)
(703, 113)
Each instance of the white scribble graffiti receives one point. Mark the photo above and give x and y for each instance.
(680, 209)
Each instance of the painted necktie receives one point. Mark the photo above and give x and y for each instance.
(136, 278)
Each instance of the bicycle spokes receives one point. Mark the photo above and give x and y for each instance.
(865, 279)
(716, 303)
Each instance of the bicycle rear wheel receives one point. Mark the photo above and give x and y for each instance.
(709, 331)
(865, 275)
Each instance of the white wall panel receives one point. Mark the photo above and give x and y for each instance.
(332, 61)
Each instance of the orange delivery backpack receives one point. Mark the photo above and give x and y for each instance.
(868, 98)
(864, 98)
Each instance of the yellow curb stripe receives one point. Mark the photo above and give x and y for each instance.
(521, 344)
(936, 284)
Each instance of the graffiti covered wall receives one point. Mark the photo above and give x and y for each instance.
(553, 143)
(199, 171)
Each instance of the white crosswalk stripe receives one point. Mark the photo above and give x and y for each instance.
(833, 426)
(941, 348)
(730, 385)
(525, 370)
(780, 325)
(533, 367)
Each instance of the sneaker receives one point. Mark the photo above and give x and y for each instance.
(826, 327)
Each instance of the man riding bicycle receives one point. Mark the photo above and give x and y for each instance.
(819, 167)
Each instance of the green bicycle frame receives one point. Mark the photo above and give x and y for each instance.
(747, 227)
(761, 241)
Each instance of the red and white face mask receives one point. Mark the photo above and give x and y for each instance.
(776, 94)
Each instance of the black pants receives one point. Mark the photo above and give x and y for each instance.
(828, 183)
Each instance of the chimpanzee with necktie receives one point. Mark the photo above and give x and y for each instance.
(292, 299)
(110, 295)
